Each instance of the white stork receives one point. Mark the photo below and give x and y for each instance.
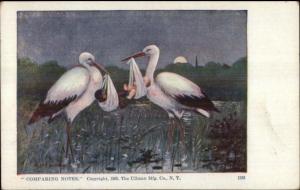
(172, 92)
(71, 93)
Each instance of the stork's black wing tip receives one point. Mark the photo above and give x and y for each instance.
(197, 102)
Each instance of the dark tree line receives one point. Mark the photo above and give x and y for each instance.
(219, 81)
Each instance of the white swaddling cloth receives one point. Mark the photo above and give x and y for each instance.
(112, 101)
(136, 79)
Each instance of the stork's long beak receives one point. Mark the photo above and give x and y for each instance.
(139, 54)
(100, 67)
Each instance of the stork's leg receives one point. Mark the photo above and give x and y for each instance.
(181, 128)
(182, 131)
(69, 140)
(170, 132)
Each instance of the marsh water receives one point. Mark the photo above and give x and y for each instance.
(134, 140)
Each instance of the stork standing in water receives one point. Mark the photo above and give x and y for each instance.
(172, 92)
(71, 93)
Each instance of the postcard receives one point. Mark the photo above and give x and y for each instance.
(168, 95)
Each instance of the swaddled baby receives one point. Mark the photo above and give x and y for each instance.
(131, 89)
(129, 92)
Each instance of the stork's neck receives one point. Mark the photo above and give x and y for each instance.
(87, 66)
(153, 60)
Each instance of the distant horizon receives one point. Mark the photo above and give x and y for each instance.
(126, 68)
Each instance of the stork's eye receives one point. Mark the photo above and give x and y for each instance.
(147, 50)
(90, 59)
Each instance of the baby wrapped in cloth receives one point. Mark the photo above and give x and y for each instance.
(136, 86)
(109, 99)
(107, 95)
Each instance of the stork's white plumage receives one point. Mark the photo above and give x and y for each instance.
(73, 83)
(172, 92)
(72, 92)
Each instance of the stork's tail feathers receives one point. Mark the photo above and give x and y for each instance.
(203, 112)
(50, 109)
(206, 113)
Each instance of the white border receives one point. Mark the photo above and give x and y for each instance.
(273, 97)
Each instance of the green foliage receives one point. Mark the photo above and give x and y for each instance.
(219, 81)
(179, 68)
(34, 80)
